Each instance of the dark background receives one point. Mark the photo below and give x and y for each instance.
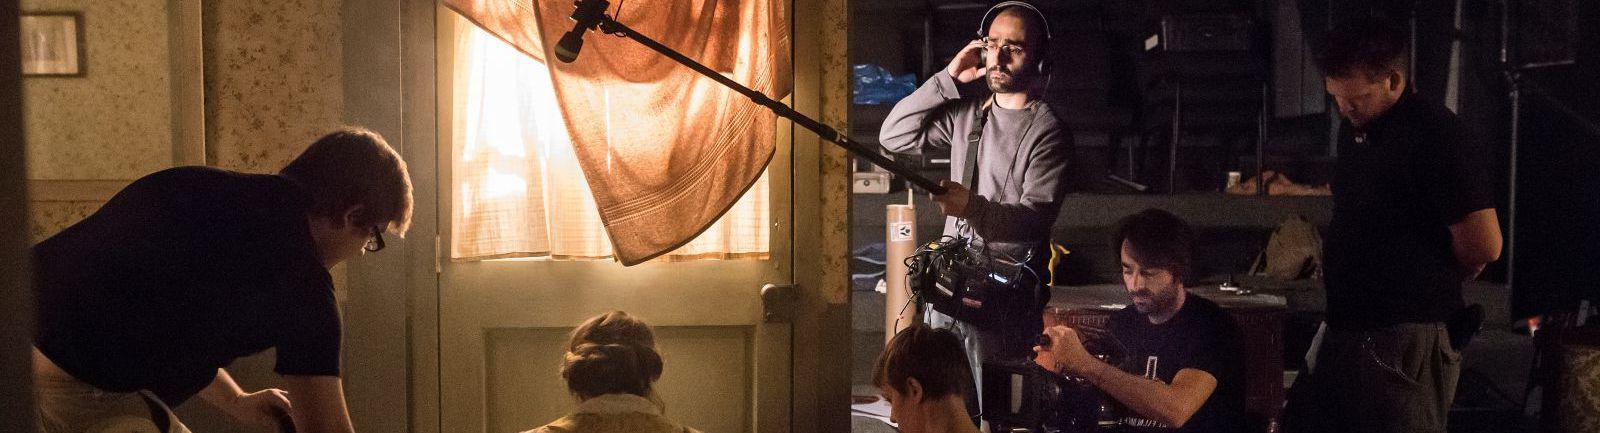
(1117, 98)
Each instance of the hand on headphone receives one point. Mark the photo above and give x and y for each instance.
(968, 63)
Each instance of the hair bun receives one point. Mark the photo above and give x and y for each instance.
(593, 369)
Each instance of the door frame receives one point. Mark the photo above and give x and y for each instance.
(819, 207)
(16, 328)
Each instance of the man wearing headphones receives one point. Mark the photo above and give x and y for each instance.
(1009, 153)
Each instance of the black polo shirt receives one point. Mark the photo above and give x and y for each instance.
(179, 274)
(1399, 184)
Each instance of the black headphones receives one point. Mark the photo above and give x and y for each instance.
(1044, 48)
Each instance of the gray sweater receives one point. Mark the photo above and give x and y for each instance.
(1023, 162)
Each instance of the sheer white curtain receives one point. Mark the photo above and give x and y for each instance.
(518, 190)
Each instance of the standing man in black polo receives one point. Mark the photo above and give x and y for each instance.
(143, 303)
(1413, 219)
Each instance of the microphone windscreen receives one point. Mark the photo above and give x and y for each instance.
(569, 46)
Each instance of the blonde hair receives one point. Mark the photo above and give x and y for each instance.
(609, 354)
(355, 167)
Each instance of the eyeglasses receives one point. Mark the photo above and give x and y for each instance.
(1007, 49)
(376, 243)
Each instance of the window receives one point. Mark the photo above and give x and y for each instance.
(518, 190)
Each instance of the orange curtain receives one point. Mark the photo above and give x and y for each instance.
(518, 190)
(664, 150)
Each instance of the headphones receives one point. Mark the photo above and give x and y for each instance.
(1044, 47)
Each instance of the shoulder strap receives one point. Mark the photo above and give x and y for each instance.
(974, 137)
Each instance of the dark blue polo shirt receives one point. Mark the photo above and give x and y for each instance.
(179, 274)
(1399, 184)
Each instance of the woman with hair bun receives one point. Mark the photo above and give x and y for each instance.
(610, 366)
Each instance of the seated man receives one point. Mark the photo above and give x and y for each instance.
(923, 373)
(1183, 369)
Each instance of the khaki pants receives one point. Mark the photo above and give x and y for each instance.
(65, 404)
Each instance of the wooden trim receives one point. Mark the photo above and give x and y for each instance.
(419, 34)
(376, 321)
(186, 54)
(17, 300)
(74, 190)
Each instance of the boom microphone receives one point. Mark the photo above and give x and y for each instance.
(591, 14)
(586, 14)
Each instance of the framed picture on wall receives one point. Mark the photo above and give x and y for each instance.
(52, 44)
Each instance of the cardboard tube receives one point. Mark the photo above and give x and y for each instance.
(900, 243)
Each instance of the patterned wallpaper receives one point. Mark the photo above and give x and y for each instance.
(274, 79)
(115, 122)
(51, 217)
(835, 106)
(274, 82)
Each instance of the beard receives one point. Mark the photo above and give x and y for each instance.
(1004, 80)
(1151, 302)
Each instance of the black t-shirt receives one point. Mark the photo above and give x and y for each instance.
(1398, 187)
(1201, 336)
(179, 274)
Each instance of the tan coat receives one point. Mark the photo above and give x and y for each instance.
(615, 413)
